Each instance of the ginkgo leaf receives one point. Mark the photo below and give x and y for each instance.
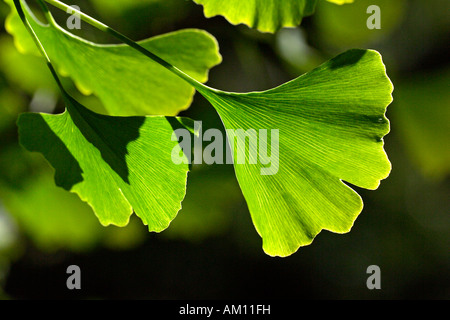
(141, 86)
(116, 164)
(264, 15)
(306, 139)
(330, 126)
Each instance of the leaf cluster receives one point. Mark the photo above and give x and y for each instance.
(331, 123)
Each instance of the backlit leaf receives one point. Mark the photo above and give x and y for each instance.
(116, 164)
(331, 125)
(264, 15)
(127, 82)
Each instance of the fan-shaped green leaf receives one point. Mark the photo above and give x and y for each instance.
(126, 82)
(325, 127)
(264, 15)
(116, 164)
(331, 124)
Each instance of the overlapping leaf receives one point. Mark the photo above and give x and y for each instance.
(141, 86)
(116, 164)
(331, 124)
(264, 15)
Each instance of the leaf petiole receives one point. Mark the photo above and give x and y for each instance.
(38, 43)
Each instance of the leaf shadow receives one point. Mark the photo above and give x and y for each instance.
(109, 135)
(36, 136)
(347, 58)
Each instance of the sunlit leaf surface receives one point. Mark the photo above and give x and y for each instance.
(264, 15)
(331, 125)
(119, 165)
(127, 82)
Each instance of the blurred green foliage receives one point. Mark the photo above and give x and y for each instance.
(346, 26)
(423, 113)
(212, 251)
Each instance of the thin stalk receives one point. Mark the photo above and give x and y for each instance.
(41, 49)
(103, 27)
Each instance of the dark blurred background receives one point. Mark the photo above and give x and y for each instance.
(211, 250)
